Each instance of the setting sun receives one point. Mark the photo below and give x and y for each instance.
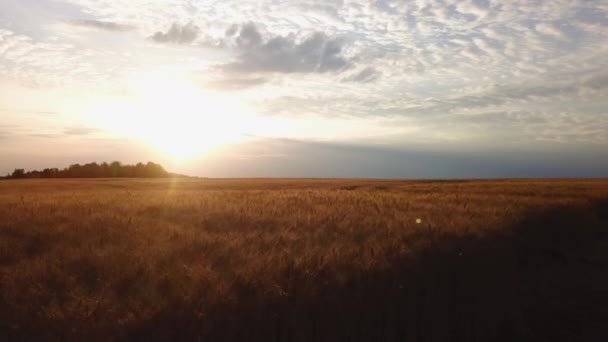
(175, 117)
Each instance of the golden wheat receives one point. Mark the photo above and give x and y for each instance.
(184, 258)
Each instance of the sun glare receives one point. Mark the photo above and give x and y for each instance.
(176, 117)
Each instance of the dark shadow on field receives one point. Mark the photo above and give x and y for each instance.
(543, 279)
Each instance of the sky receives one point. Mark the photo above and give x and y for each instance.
(332, 88)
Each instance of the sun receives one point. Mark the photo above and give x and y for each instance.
(183, 121)
(176, 117)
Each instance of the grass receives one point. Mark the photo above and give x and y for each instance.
(303, 260)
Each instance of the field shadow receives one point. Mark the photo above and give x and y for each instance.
(545, 278)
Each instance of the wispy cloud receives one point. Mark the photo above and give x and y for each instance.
(178, 34)
(102, 25)
(368, 74)
(230, 84)
(80, 130)
(45, 135)
(39, 63)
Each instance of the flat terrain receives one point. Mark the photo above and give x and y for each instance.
(304, 259)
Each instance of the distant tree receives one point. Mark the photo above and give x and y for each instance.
(105, 169)
(139, 170)
(115, 169)
(47, 173)
(95, 170)
(18, 173)
(155, 170)
(33, 174)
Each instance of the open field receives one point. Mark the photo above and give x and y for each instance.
(304, 260)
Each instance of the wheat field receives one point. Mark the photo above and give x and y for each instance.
(303, 260)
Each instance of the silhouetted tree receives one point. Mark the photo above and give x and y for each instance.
(115, 169)
(95, 170)
(49, 173)
(33, 174)
(18, 173)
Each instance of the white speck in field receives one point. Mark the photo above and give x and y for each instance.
(418, 220)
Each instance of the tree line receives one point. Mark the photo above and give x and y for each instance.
(95, 170)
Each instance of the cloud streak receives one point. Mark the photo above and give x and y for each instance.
(80, 130)
(232, 84)
(103, 25)
(368, 74)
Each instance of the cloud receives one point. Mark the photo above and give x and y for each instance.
(450, 68)
(231, 84)
(178, 34)
(38, 63)
(45, 135)
(299, 158)
(550, 29)
(368, 74)
(313, 53)
(80, 130)
(22, 111)
(597, 82)
(595, 86)
(46, 113)
(325, 8)
(102, 25)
